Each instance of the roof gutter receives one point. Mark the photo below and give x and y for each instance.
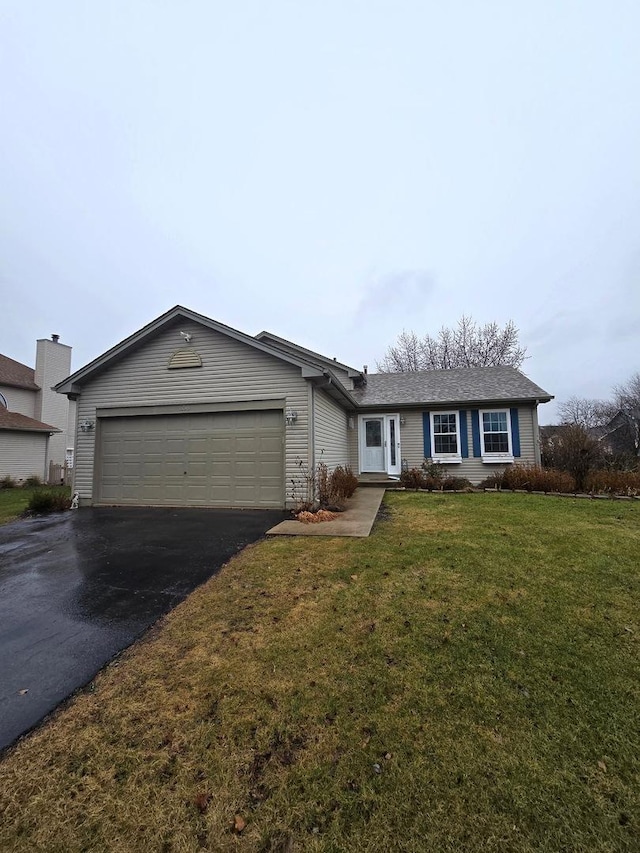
(337, 389)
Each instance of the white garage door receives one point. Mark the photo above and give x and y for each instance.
(205, 459)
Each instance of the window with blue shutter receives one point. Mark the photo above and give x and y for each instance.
(464, 435)
(515, 432)
(475, 432)
(426, 432)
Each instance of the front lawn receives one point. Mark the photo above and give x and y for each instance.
(14, 502)
(466, 679)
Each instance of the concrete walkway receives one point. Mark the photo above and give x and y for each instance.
(356, 520)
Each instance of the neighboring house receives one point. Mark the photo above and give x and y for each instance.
(617, 437)
(37, 425)
(188, 411)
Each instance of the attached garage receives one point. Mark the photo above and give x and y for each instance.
(228, 458)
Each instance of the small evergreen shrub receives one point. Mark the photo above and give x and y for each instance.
(7, 482)
(45, 500)
(32, 482)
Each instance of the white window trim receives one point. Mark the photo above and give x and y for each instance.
(454, 458)
(495, 458)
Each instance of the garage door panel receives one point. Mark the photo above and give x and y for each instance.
(230, 459)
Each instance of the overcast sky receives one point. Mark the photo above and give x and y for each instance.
(330, 170)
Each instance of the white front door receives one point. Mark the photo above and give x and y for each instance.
(380, 444)
(373, 444)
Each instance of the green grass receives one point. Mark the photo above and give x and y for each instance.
(468, 678)
(13, 502)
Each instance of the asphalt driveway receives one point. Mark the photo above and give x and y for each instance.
(77, 588)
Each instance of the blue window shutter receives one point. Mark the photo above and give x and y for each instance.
(426, 430)
(464, 438)
(475, 431)
(515, 432)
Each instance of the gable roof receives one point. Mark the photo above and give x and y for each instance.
(21, 423)
(17, 375)
(309, 369)
(438, 387)
(427, 387)
(289, 346)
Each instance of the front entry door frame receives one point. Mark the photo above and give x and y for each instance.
(390, 450)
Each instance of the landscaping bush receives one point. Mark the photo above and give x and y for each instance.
(493, 481)
(532, 478)
(413, 478)
(322, 483)
(336, 487)
(44, 501)
(7, 482)
(613, 482)
(343, 482)
(455, 484)
(32, 482)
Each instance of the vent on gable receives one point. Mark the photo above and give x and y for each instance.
(184, 358)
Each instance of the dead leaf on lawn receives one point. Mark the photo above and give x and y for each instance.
(239, 823)
(202, 802)
(602, 766)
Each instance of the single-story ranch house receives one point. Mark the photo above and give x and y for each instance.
(190, 412)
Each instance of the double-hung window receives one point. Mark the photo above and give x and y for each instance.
(495, 436)
(445, 435)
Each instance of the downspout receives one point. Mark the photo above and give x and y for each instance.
(536, 434)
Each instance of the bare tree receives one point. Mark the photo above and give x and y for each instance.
(627, 403)
(571, 448)
(585, 412)
(466, 345)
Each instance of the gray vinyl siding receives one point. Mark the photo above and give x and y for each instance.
(330, 433)
(20, 400)
(231, 372)
(352, 446)
(23, 454)
(474, 469)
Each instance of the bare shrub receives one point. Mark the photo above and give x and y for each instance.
(413, 478)
(613, 482)
(532, 478)
(456, 484)
(343, 482)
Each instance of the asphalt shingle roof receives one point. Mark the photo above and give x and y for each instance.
(21, 423)
(16, 374)
(460, 385)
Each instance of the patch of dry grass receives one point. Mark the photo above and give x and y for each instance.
(466, 678)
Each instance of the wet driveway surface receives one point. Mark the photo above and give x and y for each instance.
(77, 588)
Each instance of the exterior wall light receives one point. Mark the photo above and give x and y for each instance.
(87, 426)
(291, 417)
(402, 420)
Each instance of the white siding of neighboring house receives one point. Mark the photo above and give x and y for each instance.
(53, 364)
(23, 454)
(330, 431)
(20, 400)
(474, 469)
(231, 372)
